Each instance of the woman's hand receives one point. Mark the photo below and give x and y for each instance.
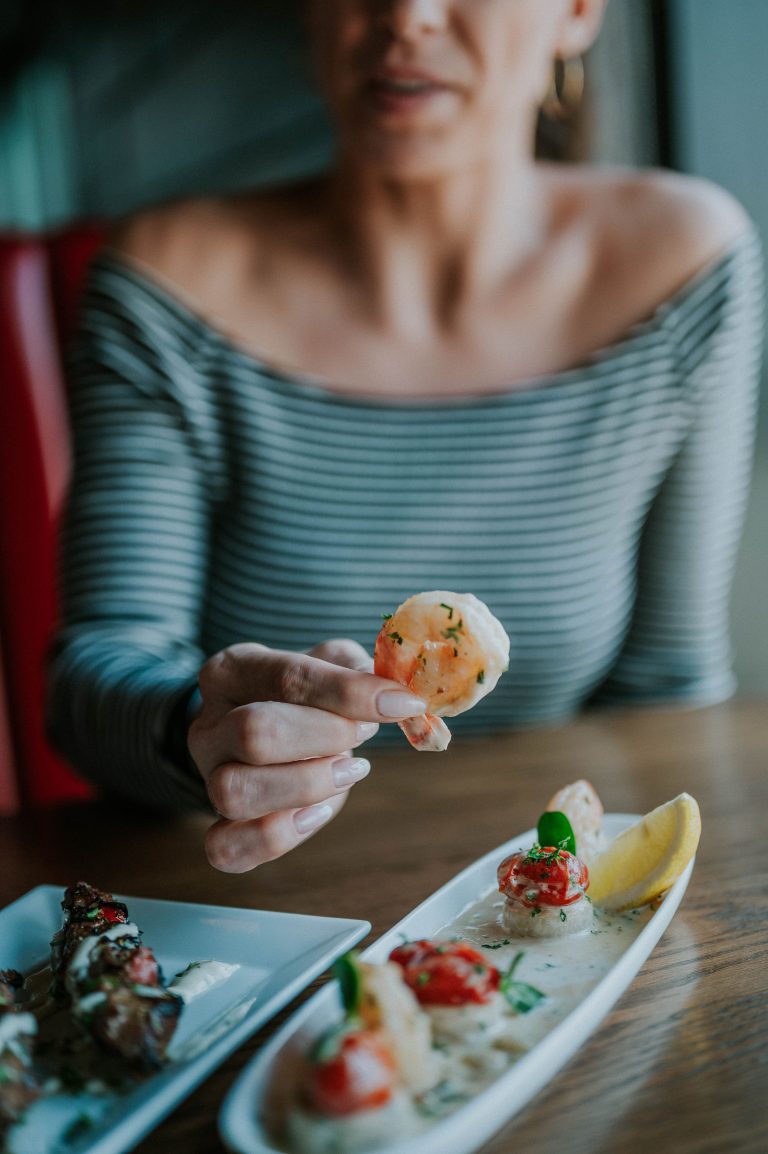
(273, 739)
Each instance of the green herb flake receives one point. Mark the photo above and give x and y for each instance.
(563, 916)
(386, 616)
(521, 997)
(449, 608)
(453, 631)
(481, 677)
(538, 853)
(328, 1044)
(494, 945)
(422, 978)
(396, 637)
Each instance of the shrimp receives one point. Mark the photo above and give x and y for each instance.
(449, 650)
(584, 810)
(389, 1006)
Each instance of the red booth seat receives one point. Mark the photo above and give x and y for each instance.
(40, 279)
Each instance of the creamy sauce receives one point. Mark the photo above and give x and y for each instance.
(82, 956)
(475, 1049)
(564, 969)
(199, 977)
(13, 1024)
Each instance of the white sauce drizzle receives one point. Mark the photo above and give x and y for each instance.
(90, 1001)
(199, 977)
(82, 956)
(13, 1024)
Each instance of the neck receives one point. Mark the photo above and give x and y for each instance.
(419, 249)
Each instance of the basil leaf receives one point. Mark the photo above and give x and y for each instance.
(521, 997)
(328, 1044)
(554, 829)
(347, 973)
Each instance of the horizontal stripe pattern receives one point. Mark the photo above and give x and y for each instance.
(215, 500)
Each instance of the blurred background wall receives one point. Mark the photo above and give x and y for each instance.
(104, 108)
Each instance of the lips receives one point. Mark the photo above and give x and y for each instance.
(404, 90)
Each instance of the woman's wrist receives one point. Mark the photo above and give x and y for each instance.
(183, 713)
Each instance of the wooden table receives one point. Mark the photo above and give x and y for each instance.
(679, 1067)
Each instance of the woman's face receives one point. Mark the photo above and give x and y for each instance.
(420, 87)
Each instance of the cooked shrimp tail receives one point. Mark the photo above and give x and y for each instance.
(428, 733)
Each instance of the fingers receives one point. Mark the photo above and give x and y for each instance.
(238, 846)
(248, 673)
(243, 792)
(273, 733)
(343, 651)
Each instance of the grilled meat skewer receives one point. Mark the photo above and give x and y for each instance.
(19, 1085)
(111, 981)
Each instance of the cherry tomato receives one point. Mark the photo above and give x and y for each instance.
(446, 973)
(360, 1075)
(113, 912)
(543, 876)
(143, 968)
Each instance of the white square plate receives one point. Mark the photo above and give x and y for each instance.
(278, 955)
(248, 1116)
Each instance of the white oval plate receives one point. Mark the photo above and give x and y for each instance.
(248, 1113)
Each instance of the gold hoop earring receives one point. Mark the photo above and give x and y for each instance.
(566, 88)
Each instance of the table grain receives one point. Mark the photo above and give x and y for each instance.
(678, 1067)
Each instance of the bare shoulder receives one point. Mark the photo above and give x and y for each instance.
(664, 228)
(171, 239)
(204, 248)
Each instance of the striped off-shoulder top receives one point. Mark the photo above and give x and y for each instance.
(217, 500)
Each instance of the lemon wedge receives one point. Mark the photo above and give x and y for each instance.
(643, 862)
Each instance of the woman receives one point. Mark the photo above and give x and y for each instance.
(447, 366)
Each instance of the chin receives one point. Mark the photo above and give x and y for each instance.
(419, 157)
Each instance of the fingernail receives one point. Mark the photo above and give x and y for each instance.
(309, 819)
(390, 703)
(366, 729)
(347, 770)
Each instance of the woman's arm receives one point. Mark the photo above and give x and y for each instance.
(678, 645)
(271, 733)
(135, 546)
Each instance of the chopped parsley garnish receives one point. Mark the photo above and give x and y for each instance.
(563, 915)
(422, 978)
(494, 945)
(396, 637)
(539, 854)
(481, 677)
(449, 608)
(386, 616)
(453, 631)
(521, 997)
